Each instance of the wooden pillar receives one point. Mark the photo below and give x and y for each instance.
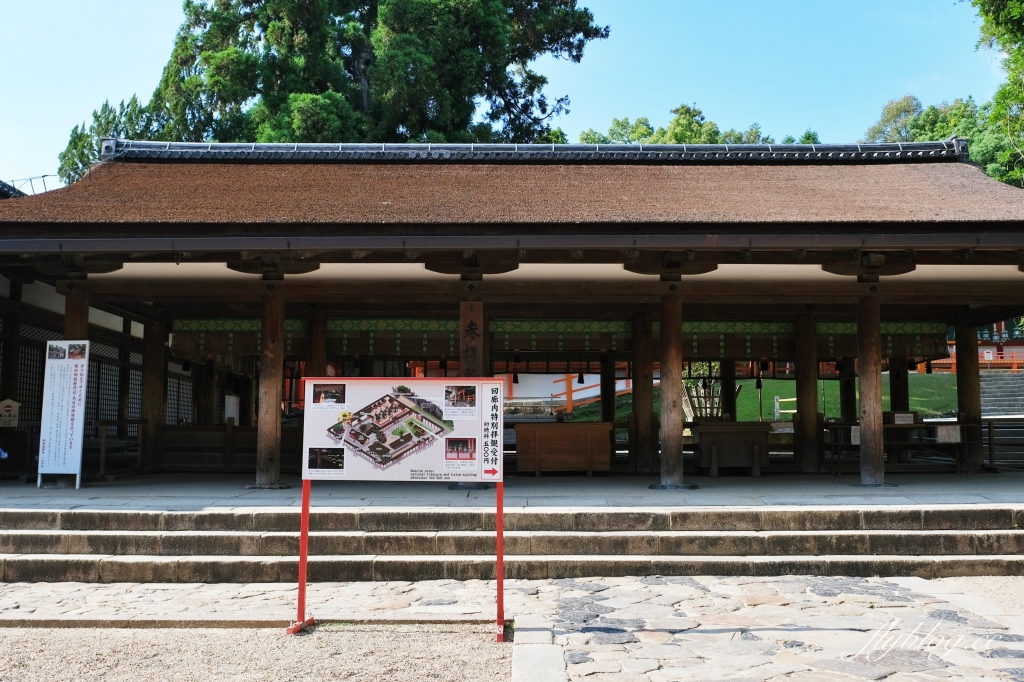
(672, 392)
(805, 438)
(76, 315)
(316, 345)
(607, 388)
(12, 349)
(268, 437)
(869, 356)
(154, 392)
(728, 386)
(247, 402)
(205, 391)
(968, 395)
(899, 385)
(848, 409)
(643, 392)
(472, 339)
(124, 376)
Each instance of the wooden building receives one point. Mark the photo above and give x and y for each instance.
(234, 268)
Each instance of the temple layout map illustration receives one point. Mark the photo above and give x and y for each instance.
(391, 428)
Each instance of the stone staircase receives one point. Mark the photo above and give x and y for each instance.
(1002, 393)
(422, 544)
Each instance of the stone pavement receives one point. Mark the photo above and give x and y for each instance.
(650, 629)
(190, 492)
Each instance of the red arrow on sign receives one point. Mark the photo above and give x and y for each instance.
(491, 472)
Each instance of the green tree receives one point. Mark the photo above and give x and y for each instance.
(751, 135)
(810, 137)
(622, 131)
(689, 126)
(989, 145)
(894, 123)
(129, 119)
(361, 70)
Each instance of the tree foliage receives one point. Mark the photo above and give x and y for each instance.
(894, 123)
(358, 70)
(906, 120)
(129, 120)
(688, 126)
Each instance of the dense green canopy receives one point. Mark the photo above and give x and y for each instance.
(688, 126)
(352, 70)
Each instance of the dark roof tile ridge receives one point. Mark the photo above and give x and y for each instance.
(953, 149)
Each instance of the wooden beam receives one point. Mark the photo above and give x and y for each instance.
(968, 394)
(472, 340)
(634, 259)
(671, 392)
(989, 315)
(643, 392)
(806, 436)
(869, 337)
(268, 437)
(154, 393)
(555, 292)
(76, 315)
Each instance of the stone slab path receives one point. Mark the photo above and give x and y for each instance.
(649, 629)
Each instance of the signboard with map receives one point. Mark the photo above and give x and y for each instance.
(399, 429)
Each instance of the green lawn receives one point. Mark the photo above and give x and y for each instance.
(932, 395)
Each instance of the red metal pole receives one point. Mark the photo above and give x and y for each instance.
(301, 623)
(499, 523)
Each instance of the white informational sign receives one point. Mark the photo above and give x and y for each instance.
(9, 411)
(63, 422)
(854, 435)
(399, 429)
(903, 418)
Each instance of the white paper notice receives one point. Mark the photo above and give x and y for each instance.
(63, 421)
(402, 430)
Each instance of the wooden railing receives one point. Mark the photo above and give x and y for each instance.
(102, 426)
(988, 359)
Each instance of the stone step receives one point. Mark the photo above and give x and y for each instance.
(370, 520)
(517, 543)
(257, 569)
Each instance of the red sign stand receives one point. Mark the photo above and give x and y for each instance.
(301, 622)
(499, 569)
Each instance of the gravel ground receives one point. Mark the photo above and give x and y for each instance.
(1002, 590)
(396, 653)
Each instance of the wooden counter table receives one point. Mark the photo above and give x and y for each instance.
(564, 446)
(733, 444)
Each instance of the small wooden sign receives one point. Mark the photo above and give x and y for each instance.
(947, 433)
(9, 411)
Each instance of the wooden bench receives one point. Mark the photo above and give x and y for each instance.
(579, 446)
